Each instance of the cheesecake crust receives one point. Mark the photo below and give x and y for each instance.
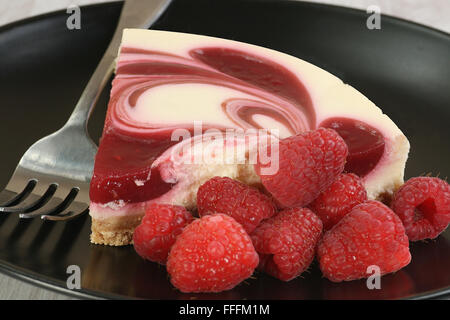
(114, 231)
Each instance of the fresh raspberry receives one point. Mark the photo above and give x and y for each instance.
(423, 205)
(158, 230)
(212, 254)
(286, 243)
(370, 234)
(308, 163)
(245, 204)
(338, 199)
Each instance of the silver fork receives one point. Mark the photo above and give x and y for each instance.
(52, 177)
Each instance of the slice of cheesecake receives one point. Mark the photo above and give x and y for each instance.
(176, 97)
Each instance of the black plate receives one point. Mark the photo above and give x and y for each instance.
(404, 68)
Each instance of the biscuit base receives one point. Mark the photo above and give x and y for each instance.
(114, 231)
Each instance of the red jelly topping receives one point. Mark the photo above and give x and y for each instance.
(365, 143)
(122, 169)
(128, 148)
(260, 72)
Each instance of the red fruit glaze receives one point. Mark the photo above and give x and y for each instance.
(212, 254)
(365, 144)
(308, 163)
(159, 228)
(245, 204)
(261, 73)
(338, 199)
(121, 161)
(423, 205)
(370, 234)
(129, 148)
(286, 243)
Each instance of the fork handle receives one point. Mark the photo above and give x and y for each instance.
(135, 14)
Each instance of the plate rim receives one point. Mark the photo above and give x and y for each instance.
(40, 280)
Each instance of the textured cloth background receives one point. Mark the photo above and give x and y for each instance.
(433, 13)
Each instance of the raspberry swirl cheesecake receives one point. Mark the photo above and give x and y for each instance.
(173, 90)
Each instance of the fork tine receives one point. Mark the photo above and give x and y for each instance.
(56, 205)
(19, 197)
(38, 201)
